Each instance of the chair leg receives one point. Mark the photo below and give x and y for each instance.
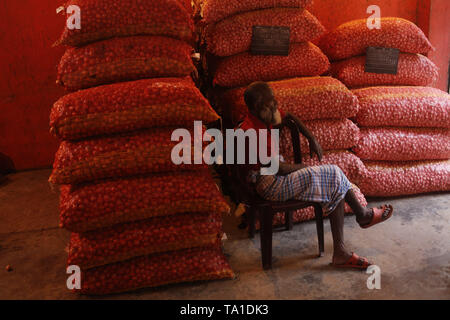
(319, 225)
(289, 222)
(251, 220)
(266, 219)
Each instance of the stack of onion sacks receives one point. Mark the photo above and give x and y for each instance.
(325, 104)
(228, 36)
(405, 137)
(405, 140)
(130, 208)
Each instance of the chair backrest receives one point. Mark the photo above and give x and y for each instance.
(244, 190)
(295, 135)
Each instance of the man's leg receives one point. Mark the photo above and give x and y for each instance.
(340, 254)
(363, 214)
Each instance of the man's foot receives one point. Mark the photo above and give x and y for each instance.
(366, 217)
(377, 215)
(341, 257)
(355, 262)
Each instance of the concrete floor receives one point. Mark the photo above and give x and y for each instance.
(412, 250)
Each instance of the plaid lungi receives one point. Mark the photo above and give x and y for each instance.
(325, 184)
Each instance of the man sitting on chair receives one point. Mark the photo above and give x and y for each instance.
(325, 184)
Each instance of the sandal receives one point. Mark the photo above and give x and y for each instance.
(355, 262)
(379, 215)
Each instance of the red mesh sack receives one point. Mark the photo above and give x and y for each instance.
(122, 155)
(352, 38)
(159, 269)
(104, 19)
(389, 179)
(234, 35)
(349, 163)
(124, 59)
(105, 203)
(403, 107)
(129, 106)
(187, 5)
(215, 10)
(413, 70)
(308, 98)
(398, 144)
(126, 241)
(304, 59)
(331, 134)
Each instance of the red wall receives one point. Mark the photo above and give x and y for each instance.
(28, 64)
(27, 86)
(332, 13)
(439, 34)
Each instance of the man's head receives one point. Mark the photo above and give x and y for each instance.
(261, 102)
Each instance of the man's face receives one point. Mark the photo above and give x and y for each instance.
(269, 112)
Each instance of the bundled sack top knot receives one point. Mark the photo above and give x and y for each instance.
(234, 35)
(403, 107)
(352, 38)
(104, 19)
(304, 59)
(215, 10)
(124, 59)
(308, 98)
(105, 203)
(129, 106)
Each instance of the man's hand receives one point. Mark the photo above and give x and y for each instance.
(314, 147)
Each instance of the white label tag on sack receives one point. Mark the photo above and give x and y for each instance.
(224, 237)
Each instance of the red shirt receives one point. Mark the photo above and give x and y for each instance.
(252, 122)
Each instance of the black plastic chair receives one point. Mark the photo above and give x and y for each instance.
(265, 210)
